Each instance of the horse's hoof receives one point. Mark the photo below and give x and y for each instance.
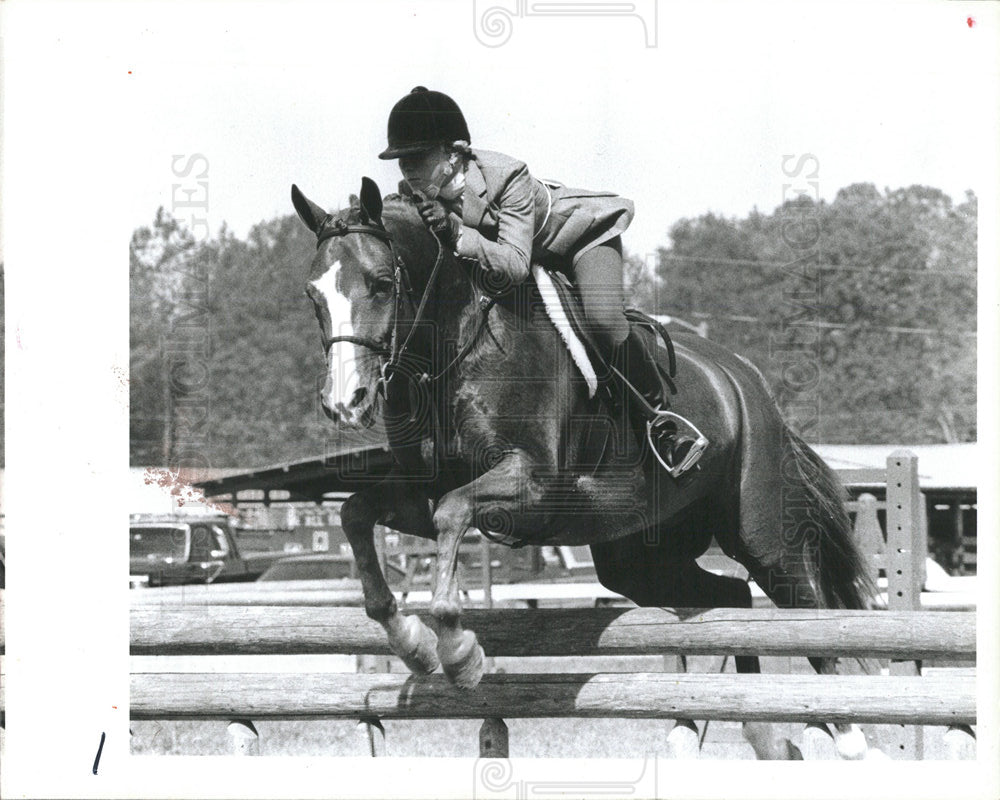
(960, 743)
(465, 666)
(851, 743)
(421, 658)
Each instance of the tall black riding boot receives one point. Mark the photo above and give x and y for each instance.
(675, 449)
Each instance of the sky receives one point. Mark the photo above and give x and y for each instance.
(886, 93)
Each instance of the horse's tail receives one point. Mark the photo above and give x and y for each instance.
(839, 568)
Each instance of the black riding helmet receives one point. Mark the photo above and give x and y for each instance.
(422, 120)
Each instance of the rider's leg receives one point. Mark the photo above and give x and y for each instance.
(599, 276)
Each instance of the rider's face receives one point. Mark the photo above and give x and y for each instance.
(422, 170)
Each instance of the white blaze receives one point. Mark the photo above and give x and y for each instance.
(341, 373)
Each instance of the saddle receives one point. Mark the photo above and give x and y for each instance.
(565, 309)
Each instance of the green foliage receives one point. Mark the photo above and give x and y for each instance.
(862, 310)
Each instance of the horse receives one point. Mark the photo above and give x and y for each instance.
(492, 427)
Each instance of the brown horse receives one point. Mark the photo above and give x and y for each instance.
(492, 427)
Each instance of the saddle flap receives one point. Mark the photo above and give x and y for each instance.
(564, 308)
(566, 313)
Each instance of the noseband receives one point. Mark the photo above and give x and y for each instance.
(332, 227)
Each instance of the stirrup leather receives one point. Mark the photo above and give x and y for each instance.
(697, 448)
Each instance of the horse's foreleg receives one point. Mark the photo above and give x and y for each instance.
(496, 495)
(409, 638)
(460, 653)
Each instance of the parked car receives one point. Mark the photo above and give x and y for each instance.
(172, 550)
(310, 567)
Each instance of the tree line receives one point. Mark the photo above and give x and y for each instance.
(872, 327)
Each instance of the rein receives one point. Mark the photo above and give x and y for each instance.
(402, 285)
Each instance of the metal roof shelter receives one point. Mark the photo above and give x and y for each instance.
(358, 458)
(941, 467)
(350, 463)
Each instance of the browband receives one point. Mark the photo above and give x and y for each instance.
(335, 226)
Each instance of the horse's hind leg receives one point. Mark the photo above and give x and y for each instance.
(721, 591)
(651, 577)
(409, 638)
(790, 584)
(848, 737)
(735, 593)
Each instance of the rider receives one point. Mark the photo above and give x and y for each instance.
(487, 207)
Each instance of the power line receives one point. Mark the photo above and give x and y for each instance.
(835, 325)
(962, 273)
(890, 412)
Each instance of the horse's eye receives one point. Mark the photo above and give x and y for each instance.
(382, 286)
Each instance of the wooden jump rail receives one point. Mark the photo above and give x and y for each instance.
(883, 699)
(287, 630)
(654, 695)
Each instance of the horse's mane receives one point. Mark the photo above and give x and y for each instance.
(416, 244)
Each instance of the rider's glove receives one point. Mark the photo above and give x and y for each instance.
(436, 217)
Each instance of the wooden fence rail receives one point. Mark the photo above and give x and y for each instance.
(946, 700)
(289, 630)
(899, 702)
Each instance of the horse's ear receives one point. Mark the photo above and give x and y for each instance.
(310, 213)
(371, 202)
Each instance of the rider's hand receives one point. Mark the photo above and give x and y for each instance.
(437, 219)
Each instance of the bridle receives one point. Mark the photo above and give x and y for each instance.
(392, 356)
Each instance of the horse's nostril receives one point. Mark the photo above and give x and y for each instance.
(359, 395)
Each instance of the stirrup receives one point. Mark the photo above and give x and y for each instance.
(697, 448)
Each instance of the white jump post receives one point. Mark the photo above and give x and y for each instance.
(494, 739)
(960, 743)
(243, 738)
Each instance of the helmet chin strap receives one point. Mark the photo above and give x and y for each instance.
(454, 184)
